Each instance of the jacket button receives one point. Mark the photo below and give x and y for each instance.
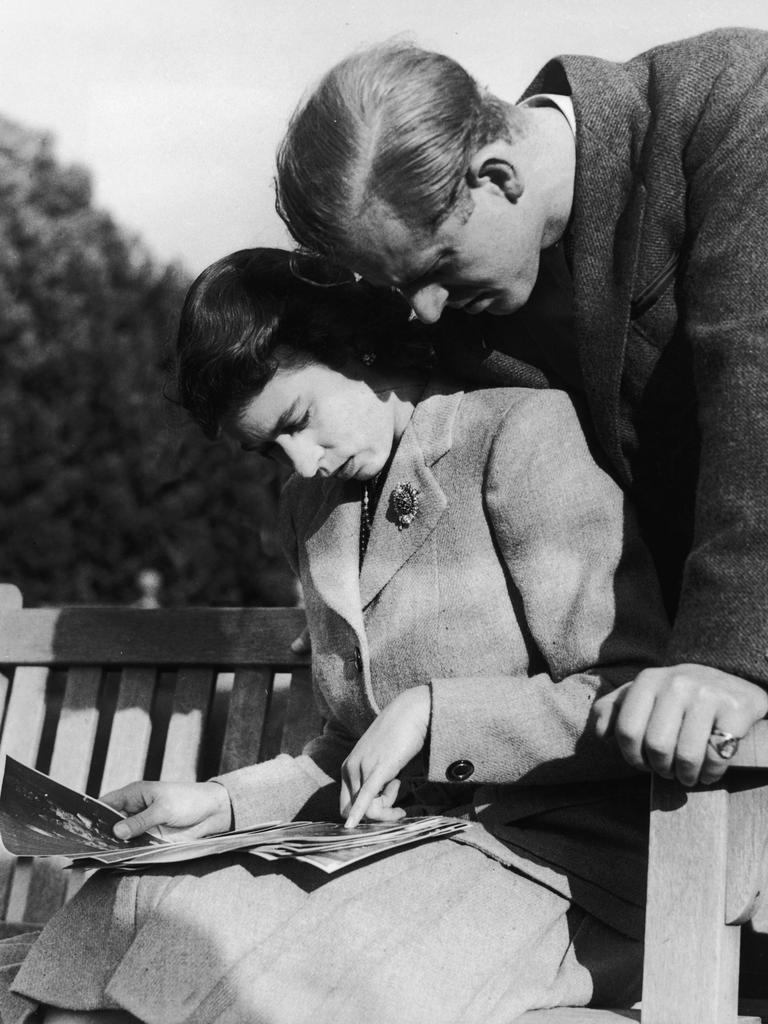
(358, 660)
(459, 771)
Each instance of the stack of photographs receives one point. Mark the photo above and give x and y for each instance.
(40, 817)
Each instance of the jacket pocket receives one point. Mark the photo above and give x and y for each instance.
(655, 288)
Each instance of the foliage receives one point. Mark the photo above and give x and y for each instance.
(100, 476)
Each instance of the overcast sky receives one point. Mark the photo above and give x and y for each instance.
(177, 106)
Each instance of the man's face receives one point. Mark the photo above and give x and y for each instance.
(486, 262)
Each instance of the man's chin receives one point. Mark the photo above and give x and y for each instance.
(503, 306)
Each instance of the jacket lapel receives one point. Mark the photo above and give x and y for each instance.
(333, 550)
(606, 227)
(426, 439)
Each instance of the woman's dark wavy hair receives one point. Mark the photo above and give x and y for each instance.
(245, 307)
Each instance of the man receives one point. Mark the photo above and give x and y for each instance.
(609, 235)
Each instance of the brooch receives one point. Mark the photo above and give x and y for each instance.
(404, 504)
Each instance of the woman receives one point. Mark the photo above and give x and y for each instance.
(472, 581)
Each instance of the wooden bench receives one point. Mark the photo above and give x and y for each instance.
(98, 696)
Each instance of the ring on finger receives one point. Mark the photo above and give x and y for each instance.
(725, 744)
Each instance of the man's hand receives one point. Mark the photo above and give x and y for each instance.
(175, 810)
(663, 719)
(369, 775)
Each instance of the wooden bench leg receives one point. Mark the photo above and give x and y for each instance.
(691, 954)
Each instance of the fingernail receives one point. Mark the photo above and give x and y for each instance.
(122, 831)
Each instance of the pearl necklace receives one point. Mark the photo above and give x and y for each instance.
(367, 511)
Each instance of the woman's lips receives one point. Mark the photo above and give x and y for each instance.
(345, 470)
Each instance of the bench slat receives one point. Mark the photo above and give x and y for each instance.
(186, 728)
(49, 884)
(158, 636)
(76, 731)
(249, 705)
(18, 873)
(24, 717)
(302, 720)
(753, 749)
(131, 729)
(22, 732)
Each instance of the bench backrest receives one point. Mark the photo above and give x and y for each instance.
(100, 696)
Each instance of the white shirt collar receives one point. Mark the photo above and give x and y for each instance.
(548, 99)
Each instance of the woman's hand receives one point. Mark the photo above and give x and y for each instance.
(176, 810)
(663, 719)
(369, 781)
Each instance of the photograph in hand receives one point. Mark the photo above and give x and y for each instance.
(40, 817)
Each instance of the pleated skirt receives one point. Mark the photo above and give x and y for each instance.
(433, 934)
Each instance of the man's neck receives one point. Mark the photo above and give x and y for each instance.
(551, 167)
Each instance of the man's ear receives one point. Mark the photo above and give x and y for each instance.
(493, 163)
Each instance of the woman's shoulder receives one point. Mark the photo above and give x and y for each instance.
(494, 407)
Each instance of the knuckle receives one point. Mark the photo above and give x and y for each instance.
(626, 735)
(680, 684)
(687, 763)
(648, 678)
(655, 750)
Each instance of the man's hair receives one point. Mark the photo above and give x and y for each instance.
(245, 307)
(393, 123)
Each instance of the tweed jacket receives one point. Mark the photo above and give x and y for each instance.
(668, 246)
(519, 592)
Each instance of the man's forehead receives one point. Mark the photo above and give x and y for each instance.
(387, 251)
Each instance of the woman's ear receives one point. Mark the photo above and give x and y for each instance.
(493, 164)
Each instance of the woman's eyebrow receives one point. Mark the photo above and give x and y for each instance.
(286, 419)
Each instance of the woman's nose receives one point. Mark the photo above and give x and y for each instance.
(428, 302)
(303, 457)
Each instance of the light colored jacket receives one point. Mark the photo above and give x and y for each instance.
(519, 592)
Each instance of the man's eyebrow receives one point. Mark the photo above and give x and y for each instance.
(428, 269)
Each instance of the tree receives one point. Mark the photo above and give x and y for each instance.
(100, 476)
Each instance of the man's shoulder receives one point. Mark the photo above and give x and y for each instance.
(718, 45)
(733, 53)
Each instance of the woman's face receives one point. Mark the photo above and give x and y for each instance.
(319, 422)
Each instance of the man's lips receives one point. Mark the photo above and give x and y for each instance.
(474, 304)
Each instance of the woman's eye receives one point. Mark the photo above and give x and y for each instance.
(300, 424)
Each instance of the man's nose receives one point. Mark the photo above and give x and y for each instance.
(428, 302)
